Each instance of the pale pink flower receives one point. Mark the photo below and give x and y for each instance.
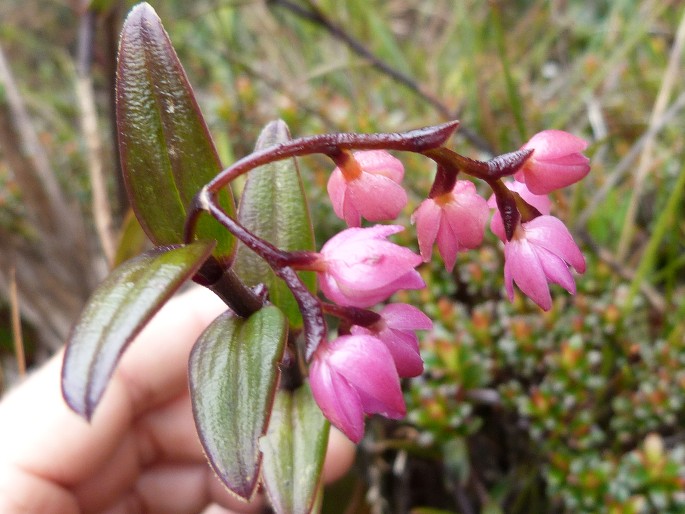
(541, 252)
(541, 202)
(397, 329)
(352, 376)
(372, 189)
(455, 220)
(359, 267)
(556, 161)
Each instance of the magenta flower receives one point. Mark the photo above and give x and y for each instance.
(358, 267)
(556, 161)
(540, 252)
(396, 329)
(369, 186)
(352, 376)
(540, 202)
(456, 220)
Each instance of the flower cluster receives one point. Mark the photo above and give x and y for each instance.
(359, 372)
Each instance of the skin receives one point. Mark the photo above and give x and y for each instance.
(141, 451)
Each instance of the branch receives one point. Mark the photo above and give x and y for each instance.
(317, 17)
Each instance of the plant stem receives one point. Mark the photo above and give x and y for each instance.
(355, 315)
(241, 299)
(445, 179)
(333, 145)
(506, 203)
(281, 262)
(496, 168)
(418, 141)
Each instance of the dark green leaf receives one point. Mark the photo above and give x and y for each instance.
(233, 377)
(167, 153)
(117, 311)
(294, 450)
(273, 206)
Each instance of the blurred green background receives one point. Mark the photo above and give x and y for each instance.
(580, 409)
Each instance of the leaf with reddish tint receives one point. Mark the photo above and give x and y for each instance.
(294, 450)
(233, 374)
(118, 309)
(273, 206)
(167, 153)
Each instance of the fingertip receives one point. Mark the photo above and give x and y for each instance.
(339, 456)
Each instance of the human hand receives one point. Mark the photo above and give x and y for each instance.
(141, 451)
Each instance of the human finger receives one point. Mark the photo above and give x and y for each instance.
(48, 440)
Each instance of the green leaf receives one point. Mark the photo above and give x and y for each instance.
(118, 309)
(132, 240)
(273, 206)
(167, 153)
(294, 450)
(233, 375)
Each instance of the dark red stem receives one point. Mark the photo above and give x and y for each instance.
(333, 145)
(445, 179)
(498, 167)
(506, 203)
(418, 140)
(281, 262)
(355, 315)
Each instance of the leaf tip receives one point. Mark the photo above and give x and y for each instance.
(141, 15)
(75, 397)
(274, 132)
(140, 11)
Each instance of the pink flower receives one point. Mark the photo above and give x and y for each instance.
(540, 202)
(396, 329)
(369, 186)
(352, 376)
(456, 220)
(359, 267)
(540, 252)
(556, 161)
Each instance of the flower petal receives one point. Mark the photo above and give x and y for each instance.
(550, 233)
(555, 143)
(351, 235)
(337, 185)
(350, 212)
(399, 321)
(382, 163)
(368, 366)
(405, 353)
(545, 177)
(467, 217)
(523, 266)
(372, 265)
(556, 270)
(338, 400)
(376, 197)
(427, 219)
(448, 244)
(405, 317)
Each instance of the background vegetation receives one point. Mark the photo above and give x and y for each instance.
(577, 410)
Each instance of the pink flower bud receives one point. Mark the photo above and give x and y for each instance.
(540, 252)
(352, 376)
(396, 329)
(369, 186)
(358, 267)
(455, 220)
(556, 161)
(540, 202)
